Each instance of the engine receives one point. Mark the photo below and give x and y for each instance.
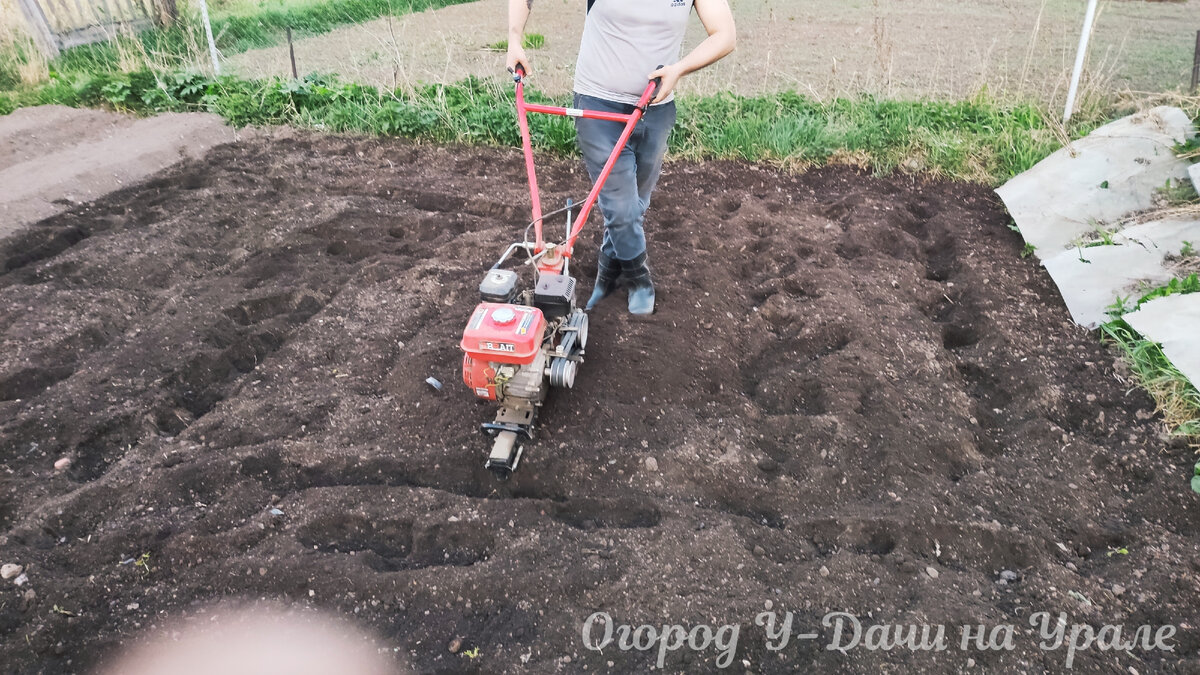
(515, 347)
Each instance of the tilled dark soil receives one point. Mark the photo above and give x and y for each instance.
(858, 397)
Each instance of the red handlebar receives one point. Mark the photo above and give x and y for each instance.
(630, 120)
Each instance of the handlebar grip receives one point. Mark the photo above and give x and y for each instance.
(518, 73)
(657, 84)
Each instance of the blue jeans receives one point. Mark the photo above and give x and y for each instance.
(626, 195)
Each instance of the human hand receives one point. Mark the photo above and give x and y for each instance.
(516, 57)
(670, 77)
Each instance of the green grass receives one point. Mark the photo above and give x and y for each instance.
(1177, 397)
(530, 41)
(237, 32)
(969, 140)
(1177, 192)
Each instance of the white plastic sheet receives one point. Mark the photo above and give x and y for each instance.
(1099, 179)
(1091, 279)
(1173, 322)
(1094, 185)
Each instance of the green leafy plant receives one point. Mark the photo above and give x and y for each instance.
(1177, 192)
(1189, 148)
(1120, 307)
(1105, 238)
(1196, 477)
(1176, 286)
(1187, 251)
(118, 94)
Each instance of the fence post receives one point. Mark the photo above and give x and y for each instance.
(167, 12)
(1196, 65)
(39, 27)
(212, 45)
(1080, 56)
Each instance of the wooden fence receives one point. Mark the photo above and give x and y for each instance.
(62, 24)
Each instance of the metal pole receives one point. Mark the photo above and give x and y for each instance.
(1196, 65)
(1079, 59)
(292, 52)
(212, 45)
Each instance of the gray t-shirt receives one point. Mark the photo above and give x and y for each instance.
(625, 40)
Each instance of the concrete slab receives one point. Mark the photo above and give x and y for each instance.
(1102, 178)
(1173, 322)
(1194, 172)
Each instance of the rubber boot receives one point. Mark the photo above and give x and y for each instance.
(607, 274)
(641, 287)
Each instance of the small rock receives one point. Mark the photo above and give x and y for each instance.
(21, 580)
(768, 465)
(132, 606)
(759, 551)
(824, 571)
(275, 512)
(933, 573)
(1009, 576)
(455, 645)
(10, 570)
(1118, 590)
(768, 605)
(651, 464)
(970, 663)
(433, 382)
(1071, 566)
(62, 464)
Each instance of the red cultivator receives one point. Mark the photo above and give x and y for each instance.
(519, 343)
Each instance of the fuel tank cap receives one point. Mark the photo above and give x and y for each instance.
(503, 316)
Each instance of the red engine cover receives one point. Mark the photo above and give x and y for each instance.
(504, 333)
(499, 333)
(480, 376)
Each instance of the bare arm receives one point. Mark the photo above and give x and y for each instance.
(518, 15)
(722, 38)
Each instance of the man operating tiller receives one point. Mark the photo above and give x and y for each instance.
(624, 43)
